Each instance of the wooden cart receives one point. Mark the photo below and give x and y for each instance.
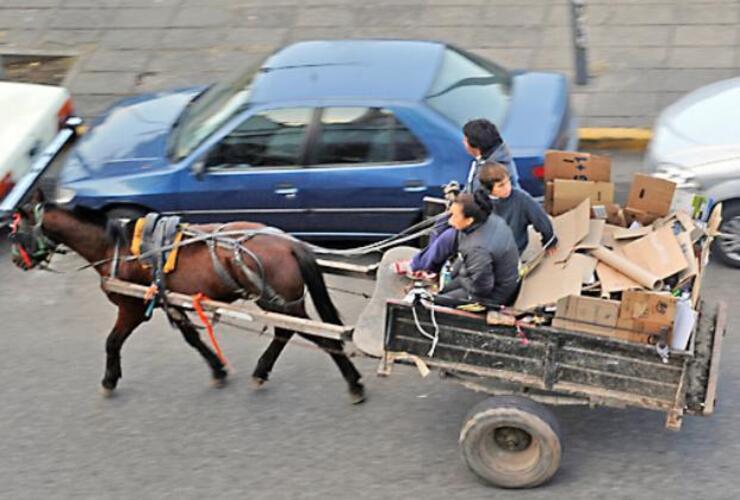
(512, 439)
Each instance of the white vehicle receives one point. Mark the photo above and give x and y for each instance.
(696, 144)
(30, 118)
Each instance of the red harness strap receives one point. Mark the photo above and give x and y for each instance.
(22, 251)
(197, 299)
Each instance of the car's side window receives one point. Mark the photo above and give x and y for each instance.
(358, 135)
(272, 138)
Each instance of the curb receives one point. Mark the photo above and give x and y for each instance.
(626, 139)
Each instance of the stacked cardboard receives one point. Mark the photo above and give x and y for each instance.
(625, 272)
(571, 177)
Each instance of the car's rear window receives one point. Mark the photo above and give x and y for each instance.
(468, 87)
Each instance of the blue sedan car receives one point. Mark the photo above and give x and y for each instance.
(324, 139)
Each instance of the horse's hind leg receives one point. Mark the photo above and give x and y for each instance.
(335, 349)
(130, 315)
(267, 360)
(192, 337)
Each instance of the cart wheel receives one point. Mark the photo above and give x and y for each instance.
(512, 442)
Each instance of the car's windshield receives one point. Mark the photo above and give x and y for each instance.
(468, 87)
(213, 108)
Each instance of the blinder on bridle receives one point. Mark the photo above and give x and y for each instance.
(30, 246)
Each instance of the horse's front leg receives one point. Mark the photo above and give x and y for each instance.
(131, 313)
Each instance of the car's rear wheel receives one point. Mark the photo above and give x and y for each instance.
(726, 247)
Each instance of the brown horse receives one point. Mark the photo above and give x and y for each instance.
(286, 265)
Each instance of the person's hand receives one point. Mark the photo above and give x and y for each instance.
(550, 251)
(451, 190)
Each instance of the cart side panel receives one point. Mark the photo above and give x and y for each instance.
(549, 358)
(703, 369)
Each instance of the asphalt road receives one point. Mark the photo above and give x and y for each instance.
(168, 434)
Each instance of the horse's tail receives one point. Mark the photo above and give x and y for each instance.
(314, 279)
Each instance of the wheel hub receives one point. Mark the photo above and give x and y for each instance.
(730, 243)
(512, 438)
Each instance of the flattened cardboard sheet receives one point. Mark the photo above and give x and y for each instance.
(631, 234)
(607, 236)
(570, 228)
(687, 247)
(658, 252)
(551, 281)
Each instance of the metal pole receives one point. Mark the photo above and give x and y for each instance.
(578, 28)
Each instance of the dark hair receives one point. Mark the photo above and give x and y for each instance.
(491, 173)
(477, 205)
(482, 134)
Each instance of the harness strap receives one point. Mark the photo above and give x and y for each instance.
(267, 294)
(221, 272)
(114, 265)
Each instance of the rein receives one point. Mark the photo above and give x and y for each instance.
(230, 239)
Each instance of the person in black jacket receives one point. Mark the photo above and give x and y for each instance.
(516, 207)
(488, 270)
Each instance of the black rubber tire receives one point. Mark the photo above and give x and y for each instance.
(730, 224)
(528, 467)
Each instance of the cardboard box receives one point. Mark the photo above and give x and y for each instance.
(633, 215)
(588, 310)
(649, 198)
(611, 212)
(573, 165)
(647, 312)
(567, 194)
(604, 331)
(595, 316)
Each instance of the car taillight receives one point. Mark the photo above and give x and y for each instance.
(65, 112)
(538, 171)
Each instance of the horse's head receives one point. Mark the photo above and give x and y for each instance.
(30, 246)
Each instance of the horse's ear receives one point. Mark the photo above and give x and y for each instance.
(38, 196)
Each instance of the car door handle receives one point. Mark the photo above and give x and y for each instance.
(286, 190)
(414, 186)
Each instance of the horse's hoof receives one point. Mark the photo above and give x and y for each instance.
(219, 383)
(357, 394)
(258, 382)
(106, 392)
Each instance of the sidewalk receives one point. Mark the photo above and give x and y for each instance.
(642, 56)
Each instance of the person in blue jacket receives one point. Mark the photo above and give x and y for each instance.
(516, 207)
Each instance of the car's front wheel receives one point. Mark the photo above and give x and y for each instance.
(726, 246)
